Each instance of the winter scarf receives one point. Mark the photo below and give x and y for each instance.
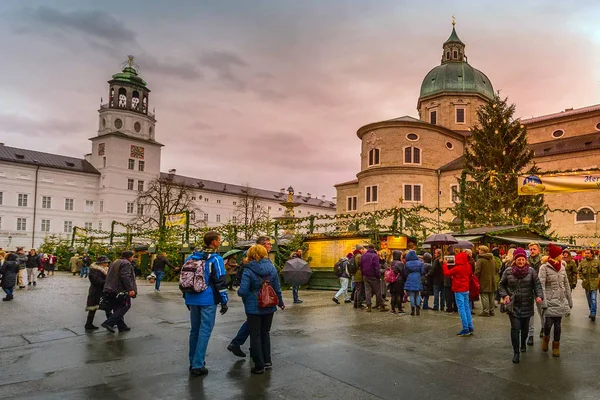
(556, 264)
(520, 273)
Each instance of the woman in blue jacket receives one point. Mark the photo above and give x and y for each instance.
(258, 269)
(413, 285)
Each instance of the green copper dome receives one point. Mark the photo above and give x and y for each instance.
(129, 75)
(456, 77)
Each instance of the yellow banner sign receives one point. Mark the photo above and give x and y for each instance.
(179, 219)
(325, 253)
(564, 183)
(397, 242)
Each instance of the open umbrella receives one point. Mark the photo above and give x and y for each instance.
(231, 252)
(462, 244)
(296, 272)
(441, 239)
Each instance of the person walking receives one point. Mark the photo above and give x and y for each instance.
(258, 270)
(231, 267)
(415, 269)
(75, 264)
(235, 346)
(344, 278)
(9, 271)
(589, 270)
(22, 261)
(497, 275)
(120, 287)
(97, 276)
(296, 288)
(397, 287)
(51, 265)
(203, 305)
(485, 270)
(570, 268)
(43, 265)
(557, 297)
(535, 261)
(461, 276)
(519, 288)
(158, 267)
(427, 281)
(369, 267)
(32, 264)
(437, 281)
(86, 261)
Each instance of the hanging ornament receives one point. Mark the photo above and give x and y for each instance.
(494, 106)
(504, 120)
(496, 131)
(489, 121)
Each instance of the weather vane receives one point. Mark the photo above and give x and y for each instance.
(453, 20)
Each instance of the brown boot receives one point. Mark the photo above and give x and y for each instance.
(545, 342)
(555, 349)
(369, 308)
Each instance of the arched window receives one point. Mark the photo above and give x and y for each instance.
(135, 100)
(412, 155)
(585, 215)
(122, 98)
(373, 157)
(145, 104)
(111, 98)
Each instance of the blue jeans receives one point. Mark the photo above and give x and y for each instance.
(438, 297)
(202, 320)
(242, 335)
(295, 292)
(591, 296)
(464, 309)
(159, 276)
(8, 291)
(414, 298)
(84, 271)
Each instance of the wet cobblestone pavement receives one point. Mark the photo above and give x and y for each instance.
(320, 350)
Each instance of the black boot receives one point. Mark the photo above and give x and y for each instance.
(418, 310)
(412, 311)
(89, 324)
(514, 338)
(524, 334)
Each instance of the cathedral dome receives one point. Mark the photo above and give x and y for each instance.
(455, 74)
(456, 77)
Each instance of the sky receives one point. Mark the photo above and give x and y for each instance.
(271, 93)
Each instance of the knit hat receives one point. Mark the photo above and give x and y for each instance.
(519, 252)
(427, 258)
(349, 255)
(359, 247)
(554, 250)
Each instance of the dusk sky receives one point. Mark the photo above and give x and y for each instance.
(271, 93)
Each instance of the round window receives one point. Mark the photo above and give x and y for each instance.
(598, 126)
(118, 123)
(137, 127)
(412, 137)
(449, 145)
(558, 133)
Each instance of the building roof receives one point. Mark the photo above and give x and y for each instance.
(591, 141)
(453, 37)
(227, 188)
(125, 136)
(30, 157)
(455, 77)
(453, 165)
(352, 182)
(406, 118)
(565, 113)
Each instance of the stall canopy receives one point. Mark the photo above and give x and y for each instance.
(517, 234)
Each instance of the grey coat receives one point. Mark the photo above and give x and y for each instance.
(557, 291)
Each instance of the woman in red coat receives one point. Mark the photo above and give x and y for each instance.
(461, 276)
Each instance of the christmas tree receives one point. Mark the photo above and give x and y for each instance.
(495, 157)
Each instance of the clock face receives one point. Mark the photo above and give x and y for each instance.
(118, 123)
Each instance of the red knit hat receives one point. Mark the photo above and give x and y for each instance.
(519, 252)
(554, 250)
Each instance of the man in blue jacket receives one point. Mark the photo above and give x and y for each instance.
(203, 305)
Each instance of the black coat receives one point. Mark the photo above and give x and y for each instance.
(521, 291)
(436, 273)
(97, 281)
(9, 271)
(33, 261)
(160, 263)
(120, 278)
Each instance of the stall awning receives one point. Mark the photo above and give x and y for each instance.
(472, 238)
(525, 241)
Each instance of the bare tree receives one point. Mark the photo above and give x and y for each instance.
(164, 196)
(249, 213)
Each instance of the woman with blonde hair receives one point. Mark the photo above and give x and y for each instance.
(259, 270)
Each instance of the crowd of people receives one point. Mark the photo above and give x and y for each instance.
(22, 270)
(521, 283)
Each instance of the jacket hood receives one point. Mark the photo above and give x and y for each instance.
(487, 256)
(262, 268)
(396, 254)
(411, 256)
(461, 258)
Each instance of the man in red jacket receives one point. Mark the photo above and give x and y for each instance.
(461, 276)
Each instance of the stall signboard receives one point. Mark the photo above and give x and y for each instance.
(324, 253)
(561, 183)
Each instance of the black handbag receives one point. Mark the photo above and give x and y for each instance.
(510, 307)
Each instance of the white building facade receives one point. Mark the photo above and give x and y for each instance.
(43, 194)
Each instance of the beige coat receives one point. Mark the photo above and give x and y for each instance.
(557, 291)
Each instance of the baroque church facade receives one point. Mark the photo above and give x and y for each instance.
(43, 194)
(408, 161)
